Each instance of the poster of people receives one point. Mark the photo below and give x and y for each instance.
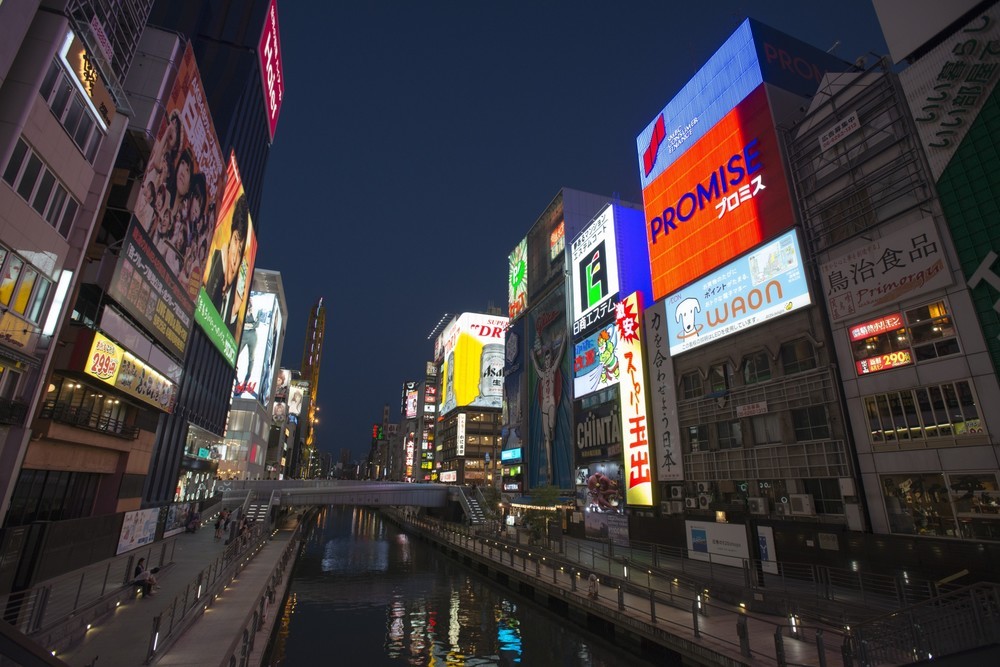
(255, 358)
(166, 247)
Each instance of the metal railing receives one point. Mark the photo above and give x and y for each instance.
(71, 415)
(12, 412)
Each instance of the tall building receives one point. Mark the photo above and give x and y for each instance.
(312, 358)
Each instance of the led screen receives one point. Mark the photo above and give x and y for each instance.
(472, 370)
(166, 247)
(225, 288)
(258, 346)
(517, 279)
(723, 196)
(594, 271)
(766, 283)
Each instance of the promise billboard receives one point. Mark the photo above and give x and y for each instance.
(724, 195)
(166, 247)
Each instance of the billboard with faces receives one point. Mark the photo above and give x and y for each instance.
(165, 249)
(258, 347)
(298, 393)
(225, 288)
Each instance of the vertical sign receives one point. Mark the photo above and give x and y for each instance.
(460, 441)
(271, 75)
(638, 467)
(663, 399)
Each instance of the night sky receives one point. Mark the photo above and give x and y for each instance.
(419, 141)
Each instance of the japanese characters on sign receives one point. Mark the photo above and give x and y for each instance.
(635, 430)
(663, 397)
(594, 272)
(841, 129)
(883, 271)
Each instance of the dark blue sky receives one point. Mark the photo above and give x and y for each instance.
(419, 141)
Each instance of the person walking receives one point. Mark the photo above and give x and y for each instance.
(592, 586)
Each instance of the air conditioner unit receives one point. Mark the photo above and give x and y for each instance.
(801, 504)
(704, 487)
(676, 506)
(847, 486)
(758, 505)
(676, 492)
(691, 503)
(781, 509)
(704, 500)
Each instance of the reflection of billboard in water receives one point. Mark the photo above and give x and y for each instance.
(472, 348)
(165, 249)
(258, 345)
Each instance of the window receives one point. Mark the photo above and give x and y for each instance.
(40, 188)
(698, 438)
(756, 368)
(12, 271)
(730, 435)
(826, 495)
(797, 356)
(51, 495)
(932, 332)
(933, 411)
(22, 288)
(720, 377)
(766, 429)
(811, 423)
(68, 105)
(691, 385)
(901, 339)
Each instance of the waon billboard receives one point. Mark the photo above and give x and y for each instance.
(724, 195)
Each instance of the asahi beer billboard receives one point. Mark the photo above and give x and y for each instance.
(472, 348)
(166, 247)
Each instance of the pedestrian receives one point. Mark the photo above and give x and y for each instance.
(592, 585)
(225, 518)
(218, 527)
(144, 578)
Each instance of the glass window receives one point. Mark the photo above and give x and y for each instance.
(38, 300)
(730, 435)
(24, 291)
(948, 409)
(66, 224)
(932, 331)
(51, 77)
(56, 205)
(29, 177)
(61, 97)
(766, 429)
(73, 115)
(756, 368)
(798, 356)
(811, 423)
(42, 193)
(691, 385)
(918, 504)
(14, 165)
(10, 276)
(698, 438)
(720, 377)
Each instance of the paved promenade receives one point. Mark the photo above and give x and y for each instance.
(124, 639)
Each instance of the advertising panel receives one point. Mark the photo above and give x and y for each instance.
(166, 247)
(472, 371)
(178, 516)
(550, 417)
(517, 279)
(460, 435)
(599, 487)
(546, 249)
(594, 272)
(87, 78)
(258, 346)
(664, 435)
(138, 528)
(114, 365)
(223, 296)
(880, 272)
(514, 397)
(271, 76)
(606, 526)
(410, 403)
(723, 543)
(725, 195)
(638, 474)
(766, 283)
(296, 396)
(597, 428)
(595, 364)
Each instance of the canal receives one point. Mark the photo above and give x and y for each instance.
(365, 593)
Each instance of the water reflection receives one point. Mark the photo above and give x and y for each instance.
(364, 591)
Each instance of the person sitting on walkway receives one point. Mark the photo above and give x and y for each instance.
(592, 585)
(144, 578)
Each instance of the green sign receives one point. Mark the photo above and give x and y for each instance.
(210, 320)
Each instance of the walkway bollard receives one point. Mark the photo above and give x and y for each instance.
(154, 639)
(779, 647)
(743, 632)
(694, 618)
(820, 650)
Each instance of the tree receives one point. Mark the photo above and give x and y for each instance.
(537, 520)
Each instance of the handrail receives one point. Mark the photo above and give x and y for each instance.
(64, 413)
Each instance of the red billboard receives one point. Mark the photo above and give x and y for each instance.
(272, 78)
(723, 196)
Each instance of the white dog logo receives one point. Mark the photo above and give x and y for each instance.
(685, 316)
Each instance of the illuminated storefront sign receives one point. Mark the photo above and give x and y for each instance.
(725, 195)
(460, 436)
(271, 75)
(765, 283)
(87, 79)
(877, 326)
(511, 455)
(884, 362)
(871, 341)
(472, 348)
(517, 279)
(876, 273)
(595, 364)
(449, 476)
(114, 365)
(225, 290)
(635, 434)
(597, 431)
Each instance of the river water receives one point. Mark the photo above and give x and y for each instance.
(365, 593)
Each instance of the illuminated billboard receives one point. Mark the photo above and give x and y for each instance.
(763, 284)
(410, 396)
(166, 247)
(595, 364)
(752, 55)
(112, 364)
(517, 279)
(472, 371)
(597, 428)
(546, 246)
(271, 76)
(225, 288)
(514, 398)
(608, 257)
(281, 383)
(258, 347)
(297, 394)
(635, 429)
(724, 195)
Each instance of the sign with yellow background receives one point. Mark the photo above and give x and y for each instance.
(112, 364)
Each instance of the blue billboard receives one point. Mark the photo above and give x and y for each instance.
(767, 282)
